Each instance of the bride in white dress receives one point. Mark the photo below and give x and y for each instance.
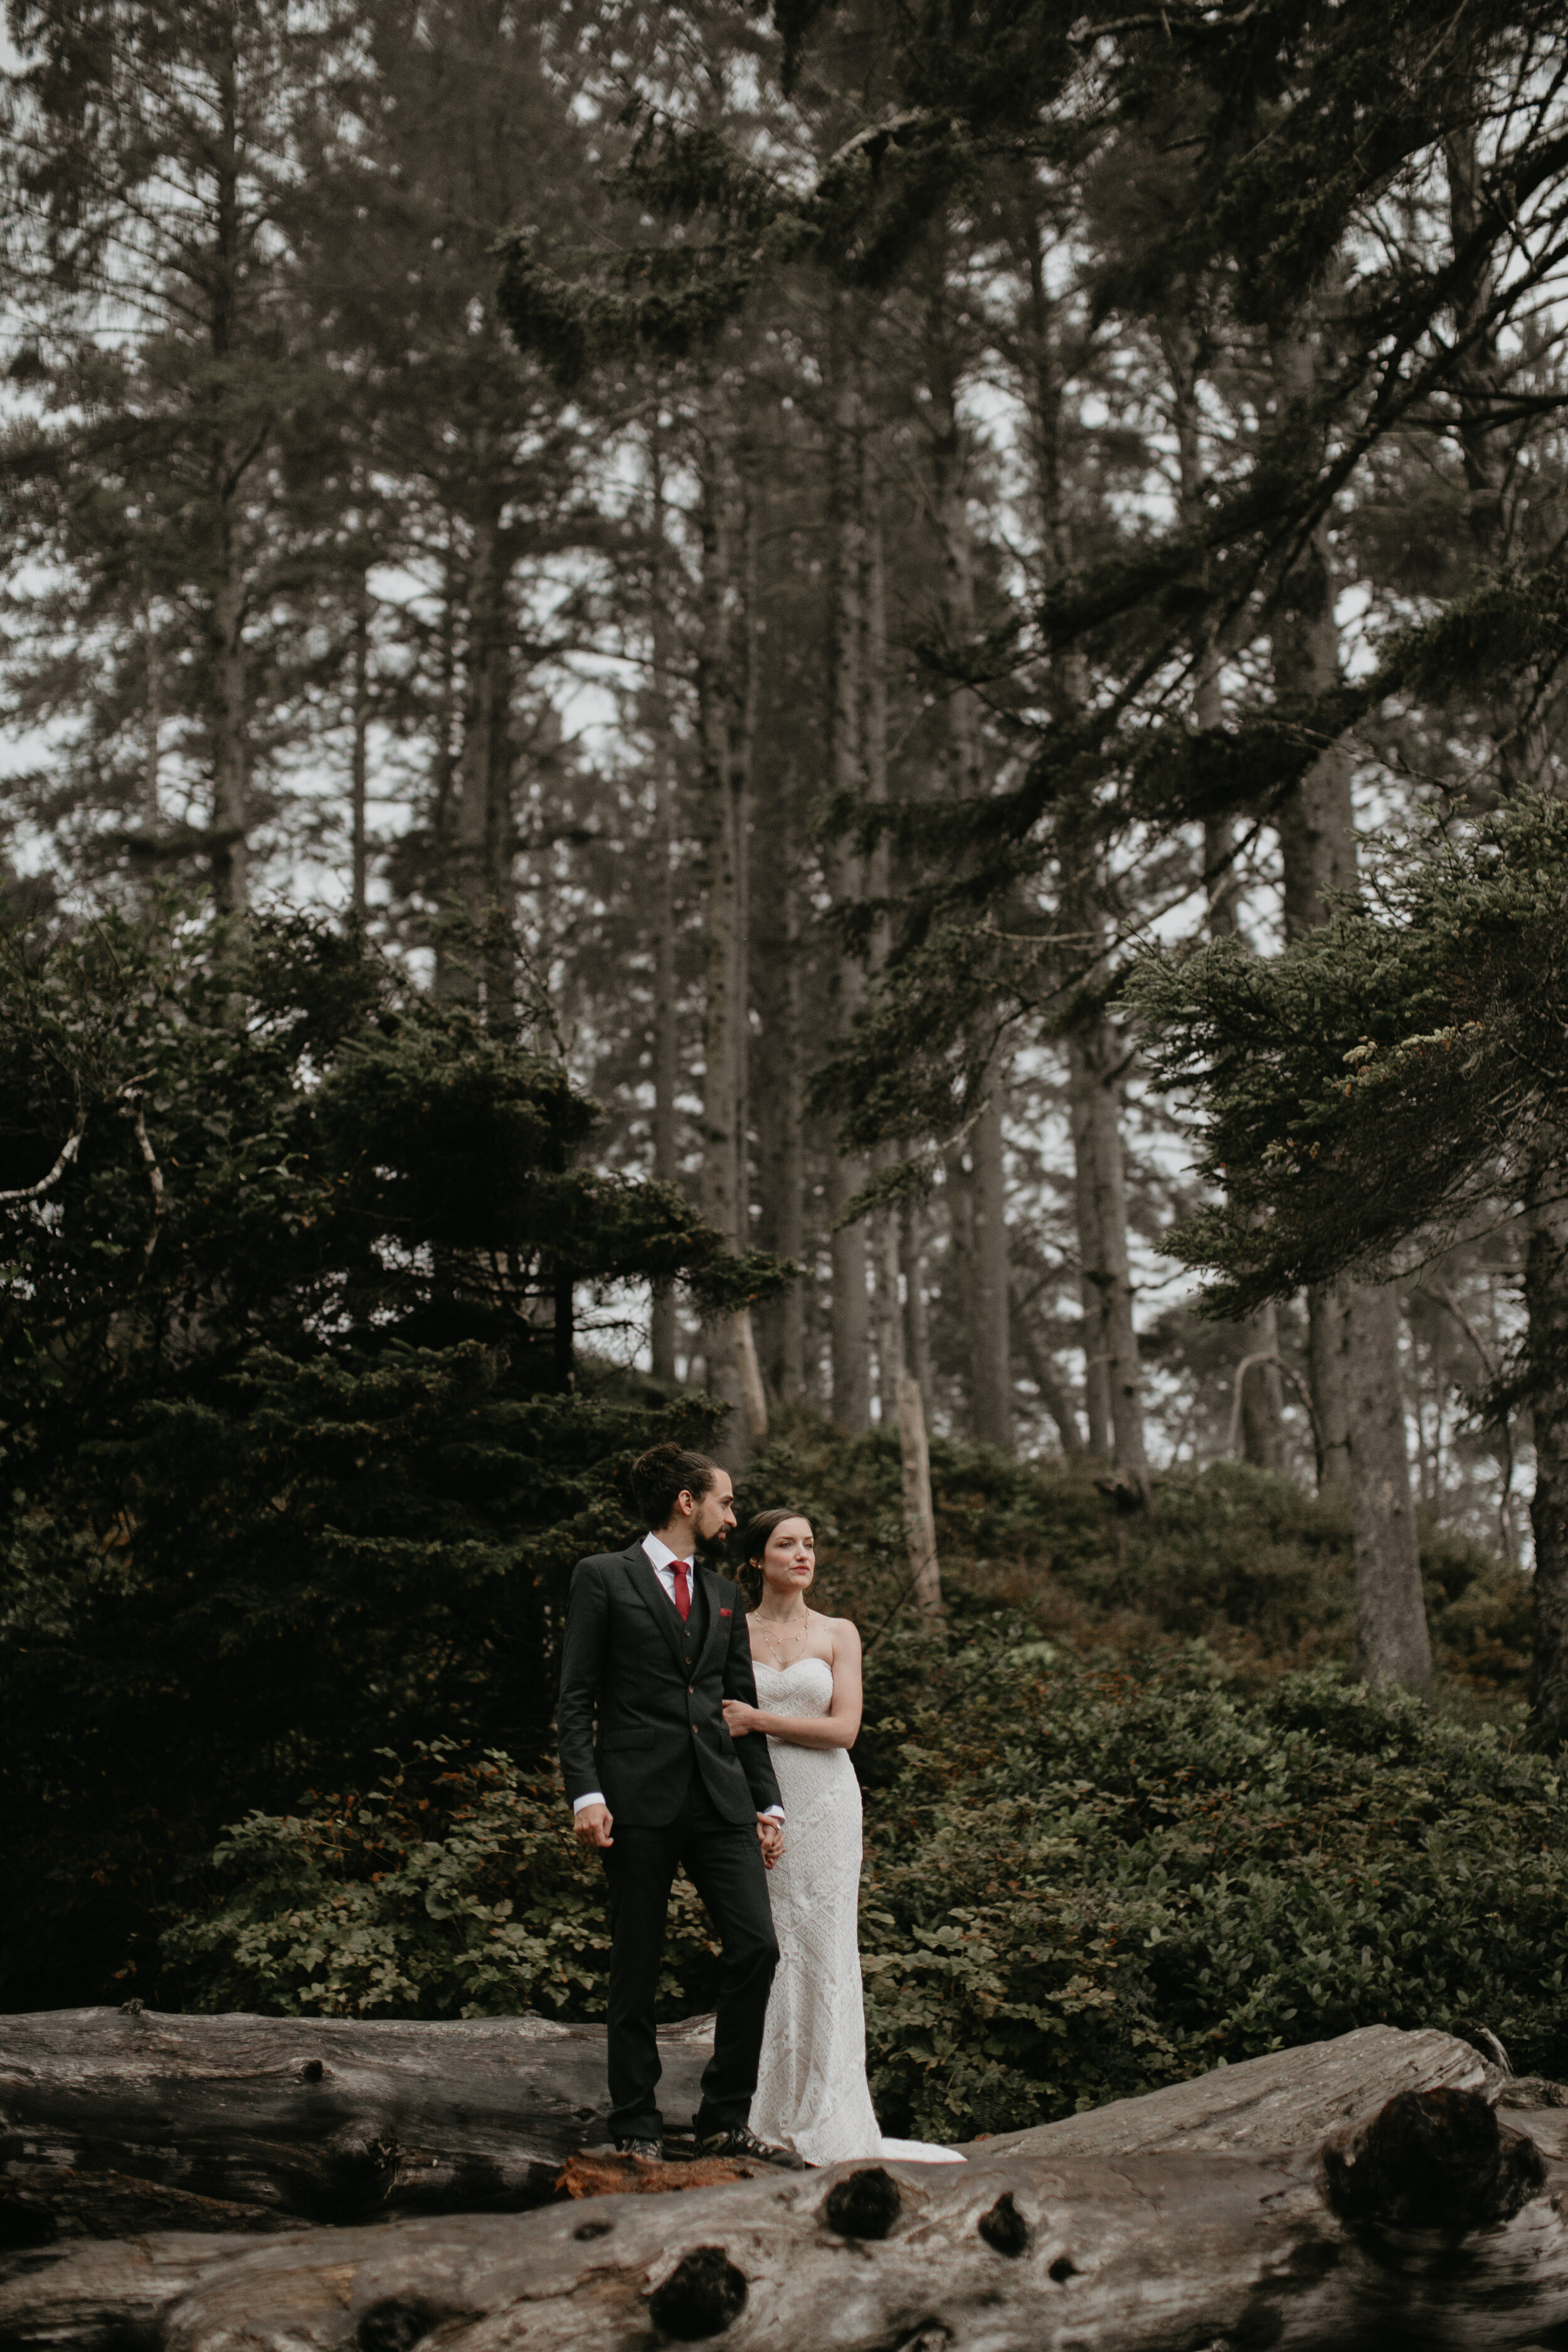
(812, 2093)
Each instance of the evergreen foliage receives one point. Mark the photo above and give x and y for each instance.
(1386, 1077)
(450, 1888)
(1288, 126)
(1237, 1565)
(1085, 1884)
(297, 1451)
(1085, 1879)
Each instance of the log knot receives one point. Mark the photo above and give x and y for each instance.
(398, 2322)
(1004, 2228)
(865, 2205)
(703, 2294)
(1432, 2160)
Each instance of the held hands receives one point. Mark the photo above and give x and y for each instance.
(593, 1825)
(770, 1835)
(739, 1717)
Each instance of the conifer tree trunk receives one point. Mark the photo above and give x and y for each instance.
(665, 1056)
(1357, 1377)
(483, 817)
(1112, 1384)
(231, 851)
(152, 721)
(1262, 1387)
(742, 757)
(780, 1120)
(887, 1314)
(444, 774)
(1392, 1642)
(1096, 1064)
(885, 1227)
(917, 1315)
(231, 762)
(790, 1066)
(986, 1303)
(1328, 1345)
(725, 699)
(850, 1328)
(1262, 1392)
(359, 779)
(990, 1404)
(1092, 1290)
(716, 694)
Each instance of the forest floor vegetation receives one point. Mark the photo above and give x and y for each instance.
(1127, 1814)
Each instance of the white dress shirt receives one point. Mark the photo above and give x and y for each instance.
(664, 1561)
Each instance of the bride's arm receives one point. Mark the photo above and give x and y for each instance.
(839, 1727)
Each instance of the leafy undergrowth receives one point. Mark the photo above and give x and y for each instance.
(1127, 1814)
(452, 1887)
(1242, 1560)
(1085, 1882)
(1080, 1883)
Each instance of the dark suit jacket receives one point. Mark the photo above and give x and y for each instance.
(623, 1659)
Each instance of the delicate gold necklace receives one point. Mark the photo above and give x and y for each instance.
(805, 1623)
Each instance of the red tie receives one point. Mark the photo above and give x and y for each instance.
(682, 1588)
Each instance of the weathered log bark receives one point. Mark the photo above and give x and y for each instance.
(1430, 2224)
(1290, 2099)
(326, 2118)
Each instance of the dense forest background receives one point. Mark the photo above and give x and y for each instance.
(952, 614)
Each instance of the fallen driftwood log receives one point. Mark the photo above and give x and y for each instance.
(1292, 2098)
(115, 2121)
(1437, 2216)
(1432, 2223)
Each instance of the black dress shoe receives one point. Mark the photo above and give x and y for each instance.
(743, 2141)
(650, 2150)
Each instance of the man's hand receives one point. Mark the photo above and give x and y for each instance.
(770, 1834)
(593, 1825)
(739, 1717)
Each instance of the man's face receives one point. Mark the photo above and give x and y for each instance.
(715, 1514)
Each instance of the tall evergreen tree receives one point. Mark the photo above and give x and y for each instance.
(155, 156)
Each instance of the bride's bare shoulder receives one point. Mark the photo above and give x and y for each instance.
(844, 1634)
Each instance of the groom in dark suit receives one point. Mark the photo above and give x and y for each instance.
(654, 1647)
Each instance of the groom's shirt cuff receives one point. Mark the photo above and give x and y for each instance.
(595, 1797)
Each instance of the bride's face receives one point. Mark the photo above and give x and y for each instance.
(789, 1559)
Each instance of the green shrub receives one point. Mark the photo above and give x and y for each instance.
(452, 1888)
(1084, 1883)
(1080, 1883)
(1241, 1558)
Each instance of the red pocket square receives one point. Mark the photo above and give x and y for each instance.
(726, 1613)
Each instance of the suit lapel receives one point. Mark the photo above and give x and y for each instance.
(717, 1627)
(639, 1568)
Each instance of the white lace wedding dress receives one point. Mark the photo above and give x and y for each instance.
(811, 2089)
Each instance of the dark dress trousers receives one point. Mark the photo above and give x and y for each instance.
(679, 1791)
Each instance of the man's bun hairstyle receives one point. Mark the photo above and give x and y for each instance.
(662, 1474)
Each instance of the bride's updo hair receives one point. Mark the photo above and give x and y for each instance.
(755, 1542)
